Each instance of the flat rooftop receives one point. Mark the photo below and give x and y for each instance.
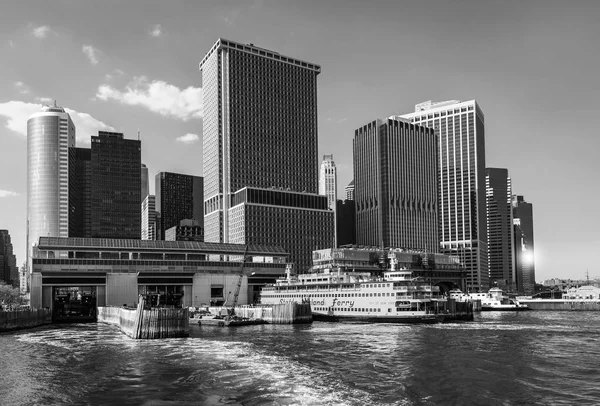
(109, 244)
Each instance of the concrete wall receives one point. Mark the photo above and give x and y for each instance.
(36, 291)
(203, 282)
(101, 295)
(47, 296)
(121, 288)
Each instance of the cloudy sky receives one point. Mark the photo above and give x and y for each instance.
(532, 66)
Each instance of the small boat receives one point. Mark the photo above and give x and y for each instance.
(228, 321)
(494, 300)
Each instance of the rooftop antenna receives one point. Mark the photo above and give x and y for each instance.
(55, 103)
(138, 134)
(587, 274)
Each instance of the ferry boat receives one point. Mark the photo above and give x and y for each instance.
(394, 297)
(494, 300)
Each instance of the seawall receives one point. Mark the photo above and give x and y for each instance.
(562, 304)
(143, 323)
(21, 319)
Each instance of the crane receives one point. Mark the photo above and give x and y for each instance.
(231, 310)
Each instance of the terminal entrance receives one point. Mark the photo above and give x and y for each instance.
(74, 304)
(168, 296)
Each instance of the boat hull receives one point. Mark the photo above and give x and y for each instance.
(504, 308)
(424, 319)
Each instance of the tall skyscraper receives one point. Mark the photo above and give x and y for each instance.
(145, 182)
(50, 135)
(9, 272)
(460, 130)
(350, 190)
(500, 228)
(116, 186)
(149, 218)
(178, 197)
(80, 201)
(328, 181)
(524, 245)
(396, 187)
(260, 133)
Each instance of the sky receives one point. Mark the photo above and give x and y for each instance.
(126, 66)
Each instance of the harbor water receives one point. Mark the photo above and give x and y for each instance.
(500, 358)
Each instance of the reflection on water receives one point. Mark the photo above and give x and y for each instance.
(503, 358)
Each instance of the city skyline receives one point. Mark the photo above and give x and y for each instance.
(525, 130)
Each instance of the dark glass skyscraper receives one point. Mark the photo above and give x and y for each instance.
(500, 228)
(396, 185)
(524, 245)
(116, 186)
(178, 197)
(9, 272)
(80, 201)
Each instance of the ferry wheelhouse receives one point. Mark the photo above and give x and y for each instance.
(393, 297)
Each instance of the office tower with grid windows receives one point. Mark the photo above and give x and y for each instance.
(500, 236)
(50, 137)
(328, 181)
(260, 133)
(178, 197)
(460, 130)
(395, 185)
(148, 218)
(116, 186)
(524, 245)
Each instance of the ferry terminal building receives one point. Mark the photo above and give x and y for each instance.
(72, 276)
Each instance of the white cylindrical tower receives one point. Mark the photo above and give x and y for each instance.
(50, 134)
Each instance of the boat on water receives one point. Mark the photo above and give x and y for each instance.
(494, 300)
(395, 296)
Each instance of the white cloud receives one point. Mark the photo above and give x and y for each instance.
(44, 100)
(7, 193)
(41, 31)
(115, 73)
(86, 125)
(17, 113)
(156, 31)
(11, 43)
(188, 138)
(22, 87)
(157, 96)
(91, 53)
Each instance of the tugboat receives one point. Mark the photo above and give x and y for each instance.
(494, 300)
